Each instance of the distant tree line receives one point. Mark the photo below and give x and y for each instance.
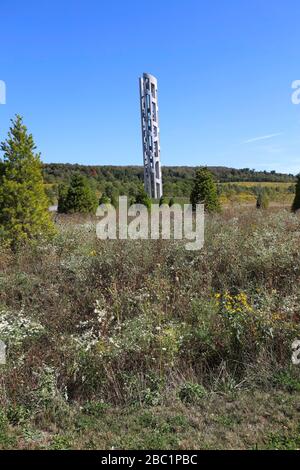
(128, 180)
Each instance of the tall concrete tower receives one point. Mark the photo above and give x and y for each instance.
(150, 136)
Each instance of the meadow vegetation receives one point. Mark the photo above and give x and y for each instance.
(142, 344)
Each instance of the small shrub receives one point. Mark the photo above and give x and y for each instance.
(61, 442)
(262, 201)
(95, 408)
(163, 200)
(192, 393)
(286, 380)
(18, 414)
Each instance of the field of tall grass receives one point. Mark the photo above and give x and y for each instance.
(246, 192)
(142, 344)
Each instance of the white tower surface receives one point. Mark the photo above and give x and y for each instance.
(150, 136)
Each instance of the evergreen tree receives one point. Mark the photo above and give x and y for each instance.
(109, 190)
(163, 200)
(62, 195)
(24, 213)
(205, 191)
(296, 203)
(109, 197)
(262, 201)
(78, 197)
(114, 201)
(143, 198)
(112, 193)
(104, 199)
(51, 193)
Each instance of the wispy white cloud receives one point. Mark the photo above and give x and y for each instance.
(263, 137)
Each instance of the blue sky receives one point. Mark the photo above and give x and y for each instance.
(225, 70)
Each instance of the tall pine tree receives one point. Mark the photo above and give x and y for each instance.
(24, 205)
(296, 203)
